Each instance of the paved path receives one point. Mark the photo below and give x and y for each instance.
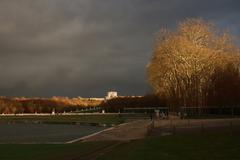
(123, 132)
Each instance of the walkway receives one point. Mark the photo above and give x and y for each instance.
(123, 132)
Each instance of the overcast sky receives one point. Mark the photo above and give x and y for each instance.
(87, 47)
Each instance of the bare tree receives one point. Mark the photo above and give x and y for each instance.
(184, 61)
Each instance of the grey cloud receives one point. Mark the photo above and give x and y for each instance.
(86, 47)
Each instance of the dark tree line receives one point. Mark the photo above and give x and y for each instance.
(225, 90)
(118, 104)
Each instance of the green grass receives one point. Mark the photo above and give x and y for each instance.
(188, 147)
(47, 151)
(104, 119)
(194, 147)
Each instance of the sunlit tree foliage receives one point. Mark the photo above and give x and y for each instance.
(195, 65)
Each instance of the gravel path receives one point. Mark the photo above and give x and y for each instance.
(123, 132)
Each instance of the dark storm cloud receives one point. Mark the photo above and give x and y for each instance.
(86, 47)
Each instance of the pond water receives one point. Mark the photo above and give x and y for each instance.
(44, 133)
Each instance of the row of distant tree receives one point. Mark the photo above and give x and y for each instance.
(64, 104)
(197, 65)
(45, 105)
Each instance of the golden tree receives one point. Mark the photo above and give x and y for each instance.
(184, 61)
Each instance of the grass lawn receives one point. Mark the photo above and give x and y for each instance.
(190, 147)
(47, 151)
(104, 119)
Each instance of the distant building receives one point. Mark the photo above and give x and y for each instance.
(111, 94)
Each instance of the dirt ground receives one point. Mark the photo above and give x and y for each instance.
(195, 122)
(189, 126)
